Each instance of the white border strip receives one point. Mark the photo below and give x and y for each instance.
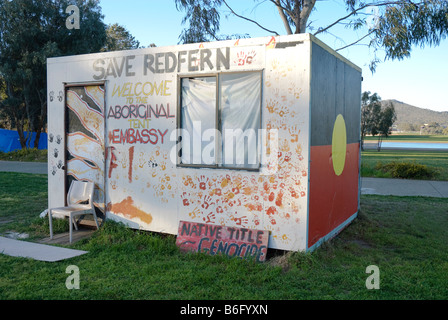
(333, 233)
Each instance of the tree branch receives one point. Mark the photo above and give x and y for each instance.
(281, 12)
(250, 20)
(355, 42)
(278, 4)
(359, 9)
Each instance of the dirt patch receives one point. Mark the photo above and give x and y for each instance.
(16, 235)
(361, 243)
(281, 260)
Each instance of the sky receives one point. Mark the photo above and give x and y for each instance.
(421, 80)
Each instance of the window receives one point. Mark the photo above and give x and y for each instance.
(219, 120)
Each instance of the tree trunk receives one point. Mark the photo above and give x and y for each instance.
(36, 140)
(380, 140)
(22, 138)
(31, 120)
(42, 117)
(307, 7)
(283, 17)
(17, 116)
(299, 16)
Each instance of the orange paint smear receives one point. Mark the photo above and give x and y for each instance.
(129, 210)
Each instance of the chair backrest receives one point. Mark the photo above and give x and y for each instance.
(80, 192)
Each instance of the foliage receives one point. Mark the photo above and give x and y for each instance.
(434, 160)
(375, 119)
(30, 32)
(397, 25)
(118, 38)
(407, 127)
(386, 119)
(26, 155)
(203, 20)
(370, 111)
(434, 128)
(407, 170)
(412, 23)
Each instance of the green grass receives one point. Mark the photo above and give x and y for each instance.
(26, 155)
(412, 138)
(22, 198)
(373, 162)
(407, 238)
(437, 160)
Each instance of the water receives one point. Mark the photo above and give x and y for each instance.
(415, 145)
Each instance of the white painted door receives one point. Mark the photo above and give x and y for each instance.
(85, 139)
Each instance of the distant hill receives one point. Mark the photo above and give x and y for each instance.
(415, 116)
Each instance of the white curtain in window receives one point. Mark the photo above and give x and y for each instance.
(240, 104)
(198, 115)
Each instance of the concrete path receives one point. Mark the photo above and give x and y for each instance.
(44, 250)
(404, 187)
(24, 167)
(397, 187)
(37, 251)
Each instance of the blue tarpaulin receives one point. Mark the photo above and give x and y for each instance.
(9, 140)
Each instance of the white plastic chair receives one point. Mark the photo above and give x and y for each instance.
(79, 202)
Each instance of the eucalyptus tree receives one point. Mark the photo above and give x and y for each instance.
(389, 27)
(30, 32)
(376, 119)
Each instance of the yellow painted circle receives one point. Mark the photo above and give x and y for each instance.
(339, 145)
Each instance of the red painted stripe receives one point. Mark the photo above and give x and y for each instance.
(333, 199)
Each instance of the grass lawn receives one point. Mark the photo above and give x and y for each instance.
(26, 155)
(406, 237)
(396, 137)
(437, 160)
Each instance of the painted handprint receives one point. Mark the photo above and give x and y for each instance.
(207, 202)
(210, 218)
(244, 58)
(185, 199)
(239, 221)
(203, 182)
(193, 214)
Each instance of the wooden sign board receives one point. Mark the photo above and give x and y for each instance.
(217, 239)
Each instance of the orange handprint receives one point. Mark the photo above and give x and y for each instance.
(207, 202)
(209, 218)
(185, 200)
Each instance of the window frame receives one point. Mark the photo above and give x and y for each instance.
(218, 118)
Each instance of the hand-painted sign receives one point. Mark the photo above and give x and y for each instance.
(217, 239)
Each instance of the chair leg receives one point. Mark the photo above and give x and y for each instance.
(75, 223)
(71, 227)
(50, 221)
(96, 220)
